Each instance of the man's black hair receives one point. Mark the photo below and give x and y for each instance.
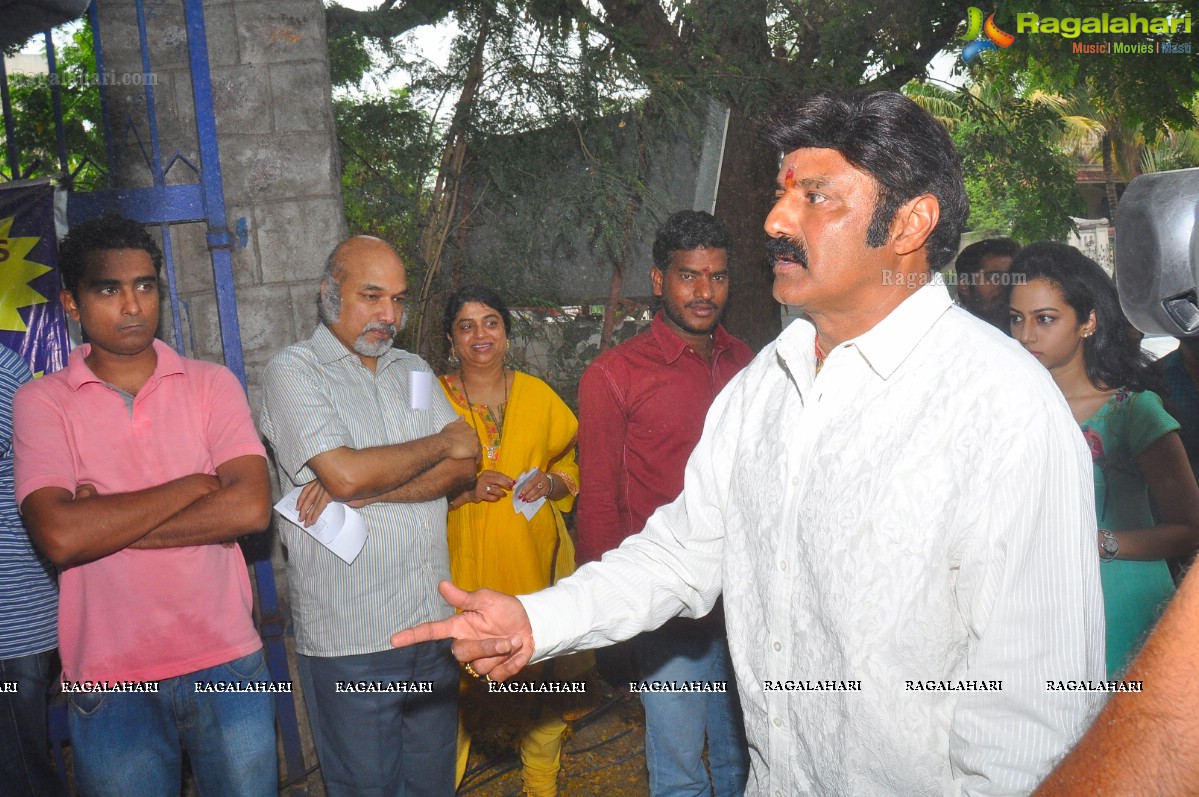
(892, 139)
(970, 259)
(108, 232)
(687, 230)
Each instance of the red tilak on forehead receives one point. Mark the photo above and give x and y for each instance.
(789, 180)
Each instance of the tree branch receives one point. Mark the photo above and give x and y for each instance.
(387, 22)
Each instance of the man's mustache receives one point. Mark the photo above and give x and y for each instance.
(380, 326)
(786, 249)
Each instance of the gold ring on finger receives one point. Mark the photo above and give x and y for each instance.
(470, 670)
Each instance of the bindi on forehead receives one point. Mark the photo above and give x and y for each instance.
(789, 179)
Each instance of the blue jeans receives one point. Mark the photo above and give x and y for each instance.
(132, 743)
(675, 722)
(25, 766)
(384, 743)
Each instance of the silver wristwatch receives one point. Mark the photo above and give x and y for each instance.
(1109, 546)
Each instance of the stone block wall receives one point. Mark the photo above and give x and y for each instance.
(274, 119)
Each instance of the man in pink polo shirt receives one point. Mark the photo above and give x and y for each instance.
(136, 469)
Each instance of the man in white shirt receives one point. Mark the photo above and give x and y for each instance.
(904, 540)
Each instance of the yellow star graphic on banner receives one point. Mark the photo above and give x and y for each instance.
(15, 275)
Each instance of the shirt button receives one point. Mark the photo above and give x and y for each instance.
(794, 481)
(778, 722)
(783, 565)
(778, 646)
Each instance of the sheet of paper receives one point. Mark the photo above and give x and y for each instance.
(339, 528)
(421, 385)
(525, 507)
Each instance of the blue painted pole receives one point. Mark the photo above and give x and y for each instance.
(220, 243)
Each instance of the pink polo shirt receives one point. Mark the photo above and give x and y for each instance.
(141, 615)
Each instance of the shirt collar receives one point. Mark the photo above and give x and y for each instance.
(889, 342)
(329, 349)
(673, 346)
(79, 374)
(884, 346)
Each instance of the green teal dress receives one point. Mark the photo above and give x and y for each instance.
(1134, 593)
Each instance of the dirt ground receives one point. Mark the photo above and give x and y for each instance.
(604, 756)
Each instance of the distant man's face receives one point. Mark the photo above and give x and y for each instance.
(984, 293)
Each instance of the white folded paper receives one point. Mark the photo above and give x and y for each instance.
(339, 528)
(526, 508)
(420, 385)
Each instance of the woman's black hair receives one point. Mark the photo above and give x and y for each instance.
(1112, 356)
(474, 293)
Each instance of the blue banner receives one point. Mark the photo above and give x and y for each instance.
(32, 320)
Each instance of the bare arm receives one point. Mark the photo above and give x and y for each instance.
(70, 531)
(448, 477)
(1145, 744)
(242, 505)
(1176, 502)
(352, 475)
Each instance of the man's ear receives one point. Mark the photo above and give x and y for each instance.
(68, 302)
(655, 277)
(915, 221)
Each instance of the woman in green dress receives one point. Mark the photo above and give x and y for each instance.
(1066, 313)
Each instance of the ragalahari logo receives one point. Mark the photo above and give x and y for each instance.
(982, 36)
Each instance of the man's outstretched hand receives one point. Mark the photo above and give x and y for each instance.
(491, 632)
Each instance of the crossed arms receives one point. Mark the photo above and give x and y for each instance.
(198, 509)
(420, 470)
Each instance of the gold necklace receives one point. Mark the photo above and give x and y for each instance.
(494, 435)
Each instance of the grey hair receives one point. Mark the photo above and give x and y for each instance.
(328, 298)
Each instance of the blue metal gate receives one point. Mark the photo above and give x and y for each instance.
(163, 204)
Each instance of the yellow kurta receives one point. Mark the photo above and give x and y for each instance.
(491, 545)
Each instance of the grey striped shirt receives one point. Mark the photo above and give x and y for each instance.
(318, 396)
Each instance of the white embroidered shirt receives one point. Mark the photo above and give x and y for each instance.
(906, 545)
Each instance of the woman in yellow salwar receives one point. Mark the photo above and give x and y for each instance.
(523, 428)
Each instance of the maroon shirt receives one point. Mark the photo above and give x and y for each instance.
(641, 412)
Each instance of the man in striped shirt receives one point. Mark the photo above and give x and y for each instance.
(354, 420)
(28, 625)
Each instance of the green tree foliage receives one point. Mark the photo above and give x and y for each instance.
(33, 112)
(1116, 101)
(1019, 178)
(1019, 183)
(1147, 93)
(388, 149)
(748, 54)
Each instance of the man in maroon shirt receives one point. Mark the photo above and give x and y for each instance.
(641, 412)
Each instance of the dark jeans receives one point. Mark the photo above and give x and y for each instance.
(26, 769)
(381, 743)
